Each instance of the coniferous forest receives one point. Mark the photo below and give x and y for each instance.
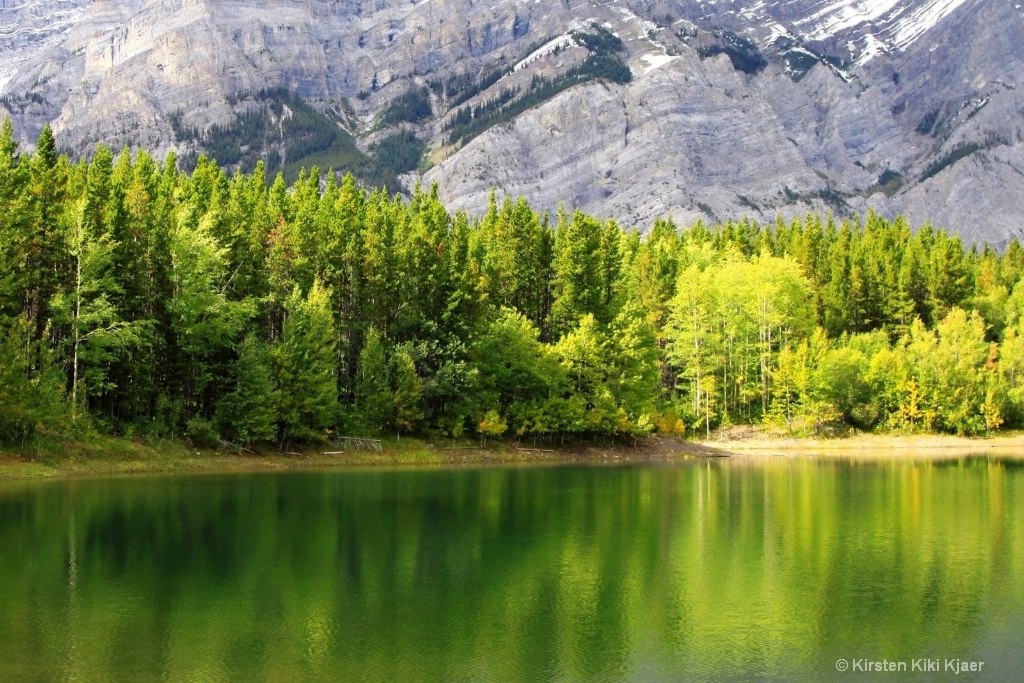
(142, 301)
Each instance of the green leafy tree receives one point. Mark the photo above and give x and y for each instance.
(491, 426)
(693, 336)
(518, 374)
(97, 332)
(956, 373)
(840, 382)
(591, 407)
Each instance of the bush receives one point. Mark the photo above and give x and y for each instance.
(202, 433)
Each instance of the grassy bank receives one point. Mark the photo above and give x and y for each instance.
(101, 456)
(110, 456)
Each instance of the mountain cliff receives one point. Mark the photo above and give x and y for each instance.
(627, 108)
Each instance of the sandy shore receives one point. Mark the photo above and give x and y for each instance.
(869, 445)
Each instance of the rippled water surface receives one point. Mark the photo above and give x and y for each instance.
(728, 570)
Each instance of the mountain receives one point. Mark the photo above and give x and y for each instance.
(626, 108)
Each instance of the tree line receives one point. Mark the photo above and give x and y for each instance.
(137, 299)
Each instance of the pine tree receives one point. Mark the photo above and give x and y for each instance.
(382, 298)
(375, 404)
(13, 229)
(43, 253)
(148, 290)
(511, 260)
(101, 169)
(579, 286)
(309, 393)
(408, 390)
(31, 387)
(204, 321)
(248, 413)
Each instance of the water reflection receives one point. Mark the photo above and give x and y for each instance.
(729, 569)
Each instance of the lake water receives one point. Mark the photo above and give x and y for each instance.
(734, 569)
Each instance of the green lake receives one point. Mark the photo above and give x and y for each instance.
(733, 569)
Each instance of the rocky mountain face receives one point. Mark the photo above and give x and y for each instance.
(725, 108)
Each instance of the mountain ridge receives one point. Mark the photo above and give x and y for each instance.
(897, 106)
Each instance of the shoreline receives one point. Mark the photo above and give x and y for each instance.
(112, 456)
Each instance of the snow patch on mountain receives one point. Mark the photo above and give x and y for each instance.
(893, 24)
(915, 23)
(872, 47)
(652, 62)
(843, 15)
(563, 41)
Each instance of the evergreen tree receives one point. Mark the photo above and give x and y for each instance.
(248, 413)
(309, 394)
(512, 257)
(375, 403)
(40, 253)
(204, 321)
(408, 390)
(13, 228)
(579, 286)
(31, 391)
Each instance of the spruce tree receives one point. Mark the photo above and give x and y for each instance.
(43, 255)
(13, 228)
(375, 404)
(309, 393)
(248, 413)
(581, 260)
(408, 390)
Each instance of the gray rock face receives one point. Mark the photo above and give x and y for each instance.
(113, 71)
(685, 138)
(704, 140)
(910, 106)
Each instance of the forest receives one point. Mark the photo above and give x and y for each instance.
(143, 301)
